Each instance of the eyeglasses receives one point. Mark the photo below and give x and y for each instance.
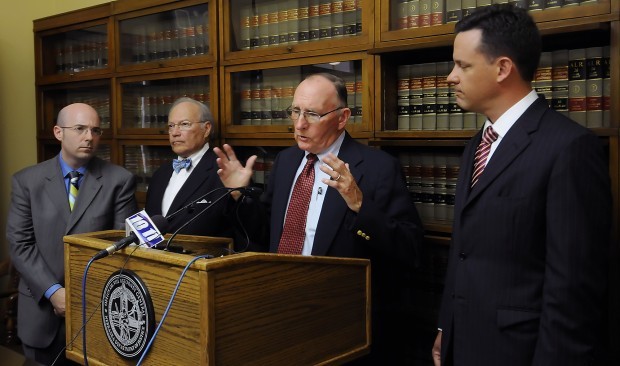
(81, 129)
(311, 117)
(183, 125)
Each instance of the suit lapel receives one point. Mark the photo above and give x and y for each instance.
(334, 207)
(88, 191)
(56, 191)
(512, 145)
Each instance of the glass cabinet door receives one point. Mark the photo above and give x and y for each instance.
(145, 102)
(94, 93)
(260, 97)
(75, 51)
(169, 37)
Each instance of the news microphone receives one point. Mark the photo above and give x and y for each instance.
(143, 228)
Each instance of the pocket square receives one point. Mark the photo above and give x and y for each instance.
(203, 201)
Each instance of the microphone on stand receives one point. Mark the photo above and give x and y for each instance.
(143, 230)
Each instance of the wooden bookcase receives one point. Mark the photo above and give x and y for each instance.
(131, 58)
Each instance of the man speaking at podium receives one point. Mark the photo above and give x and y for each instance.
(74, 192)
(332, 196)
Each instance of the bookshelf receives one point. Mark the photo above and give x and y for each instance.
(131, 58)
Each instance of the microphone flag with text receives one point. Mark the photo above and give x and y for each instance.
(140, 229)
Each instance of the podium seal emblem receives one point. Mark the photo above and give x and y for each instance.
(127, 313)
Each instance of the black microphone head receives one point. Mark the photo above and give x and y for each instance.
(161, 223)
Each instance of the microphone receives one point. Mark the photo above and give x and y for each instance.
(249, 191)
(143, 229)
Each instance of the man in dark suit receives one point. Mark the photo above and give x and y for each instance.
(359, 207)
(41, 214)
(172, 189)
(527, 272)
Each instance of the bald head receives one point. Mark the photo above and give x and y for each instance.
(76, 112)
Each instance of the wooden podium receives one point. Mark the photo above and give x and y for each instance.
(237, 309)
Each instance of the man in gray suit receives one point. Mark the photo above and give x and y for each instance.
(40, 215)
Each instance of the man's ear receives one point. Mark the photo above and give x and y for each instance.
(505, 67)
(58, 133)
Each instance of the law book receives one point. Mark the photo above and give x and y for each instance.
(454, 13)
(349, 82)
(443, 98)
(337, 18)
(245, 102)
(594, 87)
(440, 162)
(255, 85)
(429, 90)
(265, 104)
(568, 3)
(415, 166)
(559, 77)
(551, 4)
(452, 174)
(282, 22)
(303, 20)
(437, 10)
(425, 13)
(325, 21)
(416, 97)
(467, 7)
(428, 187)
(520, 3)
(401, 14)
(277, 111)
(536, 5)
(293, 21)
(313, 20)
(543, 78)
(606, 87)
(577, 85)
(263, 24)
(413, 14)
(244, 32)
(273, 25)
(404, 160)
(359, 90)
(358, 16)
(349, 12)
(402, 96)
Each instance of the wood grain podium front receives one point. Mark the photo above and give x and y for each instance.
(237, 309)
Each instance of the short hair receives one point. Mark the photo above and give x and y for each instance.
(507, 30)
(337, 82)
(205, 112)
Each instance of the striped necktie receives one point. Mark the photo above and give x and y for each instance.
(73, 187)
(482, 153)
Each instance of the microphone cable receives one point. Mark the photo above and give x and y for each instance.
(172, 297)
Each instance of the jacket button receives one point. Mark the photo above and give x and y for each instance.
(462, 256)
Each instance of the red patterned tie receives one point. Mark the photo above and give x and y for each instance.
(294, 233)
(482, 153)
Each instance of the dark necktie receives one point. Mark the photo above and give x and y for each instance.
(482, 152)
(178, 164)
(74, 187)
(294, 232)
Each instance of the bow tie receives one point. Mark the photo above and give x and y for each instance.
(178, 164)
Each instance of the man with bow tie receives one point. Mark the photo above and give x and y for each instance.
(175, 185)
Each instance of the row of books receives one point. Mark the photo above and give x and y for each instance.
(575, 82)
(278, 22)
(264, 99)
(79, 54)
(431, 180)
(426, 13)
(148, 106)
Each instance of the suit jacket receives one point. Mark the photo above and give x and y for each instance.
(527, 270)
(38, 219)
(387, 216)
(215, 221)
